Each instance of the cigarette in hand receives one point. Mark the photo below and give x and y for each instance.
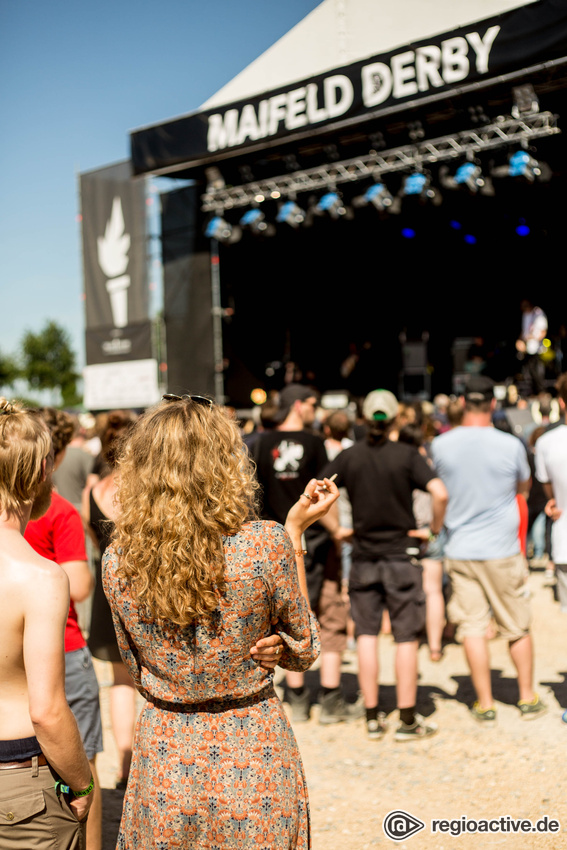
(326, 489)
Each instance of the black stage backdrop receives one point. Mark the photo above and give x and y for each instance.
(187, 295)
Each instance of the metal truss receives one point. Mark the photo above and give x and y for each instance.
(374, 164)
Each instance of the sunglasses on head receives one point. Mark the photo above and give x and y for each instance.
(198, 399)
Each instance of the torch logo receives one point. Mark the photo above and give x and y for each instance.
(113, 259)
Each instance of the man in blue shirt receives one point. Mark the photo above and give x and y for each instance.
(484, 469)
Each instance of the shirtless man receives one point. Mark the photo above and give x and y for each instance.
(45, 779)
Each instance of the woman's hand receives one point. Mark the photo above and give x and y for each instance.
(313, 504)
(267, 651)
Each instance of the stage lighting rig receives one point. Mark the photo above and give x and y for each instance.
(222, 231)
(290, 213)
(255, 221)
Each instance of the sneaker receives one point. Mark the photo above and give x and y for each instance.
(376, 729)
(530, 709)
(418, 729)
(486, 715)
(300, 706)
(334, 709)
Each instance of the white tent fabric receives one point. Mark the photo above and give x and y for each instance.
(339, 32)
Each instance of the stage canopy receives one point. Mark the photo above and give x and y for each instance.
(400, 57)
(439, 120)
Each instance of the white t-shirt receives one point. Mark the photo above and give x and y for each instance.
(534, 324)
(551, 468)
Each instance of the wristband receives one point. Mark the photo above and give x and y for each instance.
(60, 788)
(432, 536)
(86, 791)
(300, 552)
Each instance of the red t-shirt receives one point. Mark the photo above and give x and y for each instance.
(59, 536)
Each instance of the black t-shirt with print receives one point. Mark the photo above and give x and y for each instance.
(286, 462)
(379, 481)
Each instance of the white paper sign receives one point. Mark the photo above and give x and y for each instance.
(130, 384)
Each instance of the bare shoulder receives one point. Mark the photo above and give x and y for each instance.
(22, 569)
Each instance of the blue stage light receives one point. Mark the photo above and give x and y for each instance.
(380, 197)
(219, 229)
(415, 183)
(290, 213)
(332, 203)
(470, 239)
(469, 176)
(408, 233)
(523, 230)
(456, 225)
(255, 220)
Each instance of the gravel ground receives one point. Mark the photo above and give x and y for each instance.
(516, 769)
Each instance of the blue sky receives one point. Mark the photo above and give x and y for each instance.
(76, 78)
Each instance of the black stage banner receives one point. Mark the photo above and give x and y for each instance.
(187, 296)
(113, 208)
(494, 46)
(114, 345)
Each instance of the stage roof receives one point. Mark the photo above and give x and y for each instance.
(416, 67)
(340, 33)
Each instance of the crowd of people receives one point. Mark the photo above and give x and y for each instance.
(195, 550)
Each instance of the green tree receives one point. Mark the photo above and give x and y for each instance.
(48, 362)
(9, 371)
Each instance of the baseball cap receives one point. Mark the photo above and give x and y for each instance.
(380, 405)
(289, 395)
(479, 388)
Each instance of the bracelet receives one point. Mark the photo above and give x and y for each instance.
(432, 537)
(86, 791)
(65, 789)
(300, 552)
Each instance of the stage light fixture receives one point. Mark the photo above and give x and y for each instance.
(222, 231)
(379, 196)
(468, 175)
(418, 184)
(331, 203)
(255, 220)
(290, 213)
(522, 164)
(526, 101)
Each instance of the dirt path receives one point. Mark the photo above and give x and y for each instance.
(516, 769)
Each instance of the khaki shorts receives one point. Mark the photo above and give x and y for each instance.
(485, 589)
(32, 816)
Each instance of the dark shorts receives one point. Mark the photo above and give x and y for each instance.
(82, 692)
(323, 574)
(393, 583)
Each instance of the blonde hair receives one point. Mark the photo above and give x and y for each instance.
(24, 444)
(184, 479)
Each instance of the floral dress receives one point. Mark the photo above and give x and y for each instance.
(215, 762)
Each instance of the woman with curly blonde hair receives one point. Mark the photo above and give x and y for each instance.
(205, 599)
